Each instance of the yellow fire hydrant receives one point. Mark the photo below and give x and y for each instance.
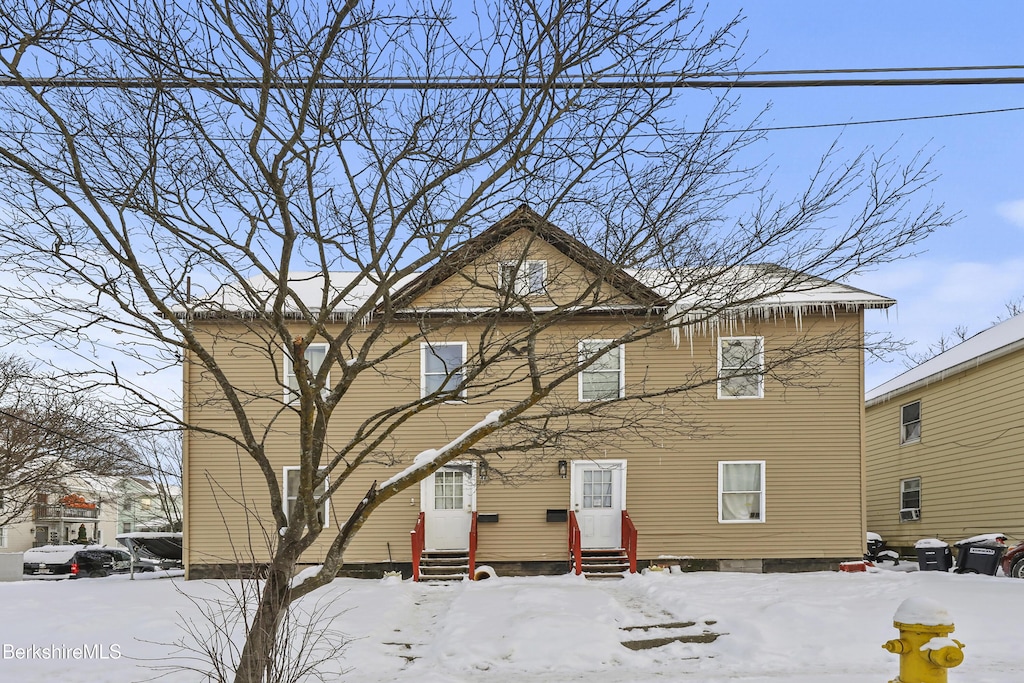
(924, 645)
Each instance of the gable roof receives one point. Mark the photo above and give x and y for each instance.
(526, 218)
(995, 342)
(736, 292)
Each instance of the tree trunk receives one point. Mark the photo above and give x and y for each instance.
(260, 641)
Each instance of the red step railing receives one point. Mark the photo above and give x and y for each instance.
(472, 548)
(575, 542)
(417, 545)
(629, 537)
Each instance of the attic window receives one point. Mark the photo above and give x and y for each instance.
(524, 278)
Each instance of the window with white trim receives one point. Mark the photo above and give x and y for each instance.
(291, 494)
(605, 378)
(3, 537)
(910, 499)
(741, 491)
(741, 367)
(441, 368)
(524, 278)
(315, 355)
(910, 423)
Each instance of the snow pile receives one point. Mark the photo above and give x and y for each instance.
(931, 543)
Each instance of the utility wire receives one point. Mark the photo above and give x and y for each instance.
(760, 129)
(655, 81)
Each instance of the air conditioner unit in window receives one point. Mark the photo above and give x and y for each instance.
(910, 514)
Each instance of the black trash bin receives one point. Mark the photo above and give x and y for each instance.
(979, 558)
(933, 555)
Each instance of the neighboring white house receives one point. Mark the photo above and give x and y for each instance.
(89, 509)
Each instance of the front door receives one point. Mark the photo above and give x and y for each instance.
(598, 498)
(449, 498)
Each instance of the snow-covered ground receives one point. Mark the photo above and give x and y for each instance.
(798, 628)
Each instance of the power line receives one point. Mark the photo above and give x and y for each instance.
(664, 81)
(761, 129)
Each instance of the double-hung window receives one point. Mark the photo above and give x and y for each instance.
(441, 367)
(910, 499)
(910, 423)
(741, 491)
(605, 378)
(291, 494)
(3, 537)
(315, 355)
(741, 367)
(524, 278)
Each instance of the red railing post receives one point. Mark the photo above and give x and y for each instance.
(575, 542)
(629, 540)
(417, 546)
(472, 548)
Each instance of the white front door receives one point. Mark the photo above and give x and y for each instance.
(449, 498)
(598, 498)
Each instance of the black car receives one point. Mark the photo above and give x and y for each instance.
(71, 562)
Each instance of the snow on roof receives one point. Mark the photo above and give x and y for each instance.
(996, 341)
(307, 286)
(745, 283)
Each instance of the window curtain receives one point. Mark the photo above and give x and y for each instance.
(741, 491)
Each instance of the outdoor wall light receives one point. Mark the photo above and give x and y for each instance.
(563, 468)
(483, 470)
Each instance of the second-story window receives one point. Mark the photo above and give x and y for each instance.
(524, 278)
(741, 367)
(442, 368)
(605, 378)
(315, 356)
(910, 422)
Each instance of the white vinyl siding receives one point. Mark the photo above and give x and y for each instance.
(291, 494)
(441, 368)
(741, 491)
(741, 367)
(606, 378)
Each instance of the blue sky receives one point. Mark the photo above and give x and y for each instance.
(967, 272)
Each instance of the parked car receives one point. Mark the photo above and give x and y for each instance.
(1013, 561)
(74, 561)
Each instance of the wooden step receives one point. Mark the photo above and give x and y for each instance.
(444, 565)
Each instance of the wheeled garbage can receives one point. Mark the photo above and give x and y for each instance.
(933, 555)
(979, 557)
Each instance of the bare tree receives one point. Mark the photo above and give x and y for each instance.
(48, 436)
(192, 175)
(159, 463)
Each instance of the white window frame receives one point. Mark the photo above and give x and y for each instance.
(762, 492)
(524, 282)
(904, 438)
(904, 489)
(285, 498)
(587, 347)
(722, 376)
(291, 384)
(3, 537)
(427, 348)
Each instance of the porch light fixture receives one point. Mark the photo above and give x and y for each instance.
(483, 470)
(563, 468)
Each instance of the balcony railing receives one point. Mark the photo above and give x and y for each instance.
(57, 512)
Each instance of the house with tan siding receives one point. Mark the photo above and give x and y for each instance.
(945, 443)
(749, 457)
